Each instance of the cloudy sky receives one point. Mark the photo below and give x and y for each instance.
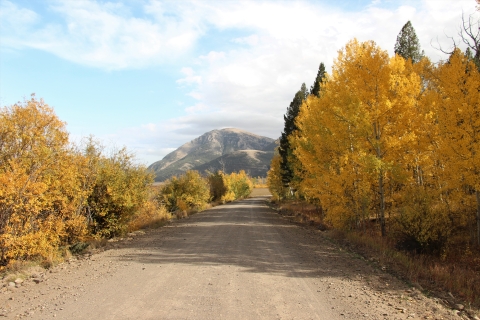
(152, 75)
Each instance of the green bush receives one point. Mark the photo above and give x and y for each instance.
(217, 185)
(229, 187)
(423, 223)
(121, 188)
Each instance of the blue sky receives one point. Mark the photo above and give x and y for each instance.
(152, 75)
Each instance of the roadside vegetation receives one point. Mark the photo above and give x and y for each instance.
(384, 151)
(192, 192)
(58, 198)
(56, 195)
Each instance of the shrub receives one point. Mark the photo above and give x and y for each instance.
(238, 186)
(217, 185)
(40, 177)
(121, 188)
(423, 223)
(229, 187)
(151, 214)
(189, 191)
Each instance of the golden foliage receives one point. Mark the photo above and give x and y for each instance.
(274, 179)
(388, 138)
(41, 194)
(150, 214)
(229, 187)
(120, 189)
(238, 186)
(189, 191)
(353, 137)
(54, 195)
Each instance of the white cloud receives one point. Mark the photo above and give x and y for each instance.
(14, 18)
(251, 87)
(104, 35)
(250, 40)
(246, 82)
(197, 109)
(190, 77)
(213, 56)
(151, 127)
(107, 35)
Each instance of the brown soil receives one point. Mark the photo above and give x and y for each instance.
(236, 261)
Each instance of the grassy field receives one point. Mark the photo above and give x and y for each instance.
(259, 192)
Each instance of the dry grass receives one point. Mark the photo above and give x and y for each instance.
(20, 269)
(302, 212)
(260, 192)
(454, 278)
(260, 186)
(149, 217)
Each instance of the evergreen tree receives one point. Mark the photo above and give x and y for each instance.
(290, 127)
(315, 88)
(407, 44)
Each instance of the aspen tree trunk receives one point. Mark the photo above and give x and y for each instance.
(477, 194)
(381, 190)
(382, 204)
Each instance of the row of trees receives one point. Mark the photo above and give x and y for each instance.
(193, 191)
(57, 195)
(394, 139)
(54, 194)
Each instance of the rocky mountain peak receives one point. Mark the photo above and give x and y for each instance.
(208, 147)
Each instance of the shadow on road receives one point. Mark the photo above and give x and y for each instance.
(249, 235)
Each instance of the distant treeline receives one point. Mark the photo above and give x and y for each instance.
(390, 139)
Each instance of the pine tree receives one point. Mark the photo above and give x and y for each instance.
(290, 127)
(407, 44)
(315, 88)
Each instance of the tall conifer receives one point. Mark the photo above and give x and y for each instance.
(315, 88)
(407, 44)
(290, 127)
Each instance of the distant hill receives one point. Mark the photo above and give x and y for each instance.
(229, 150)
(255, 162)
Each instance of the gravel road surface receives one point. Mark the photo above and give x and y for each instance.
(236, 261)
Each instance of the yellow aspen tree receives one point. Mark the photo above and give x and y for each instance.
(332, 169)
(274, 178)
(385, 93)
(459, 124)
(422, 202)
(368, 108)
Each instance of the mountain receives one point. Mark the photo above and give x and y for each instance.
(255, 162)
(226, 149)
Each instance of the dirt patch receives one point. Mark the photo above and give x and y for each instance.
(236, 261)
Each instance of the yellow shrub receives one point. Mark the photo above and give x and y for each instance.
(228, 197)
(274, 179)
(189, 191)
(39, 173)
(230, 187)
(150, 214)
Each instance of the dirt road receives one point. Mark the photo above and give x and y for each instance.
(237, 261)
